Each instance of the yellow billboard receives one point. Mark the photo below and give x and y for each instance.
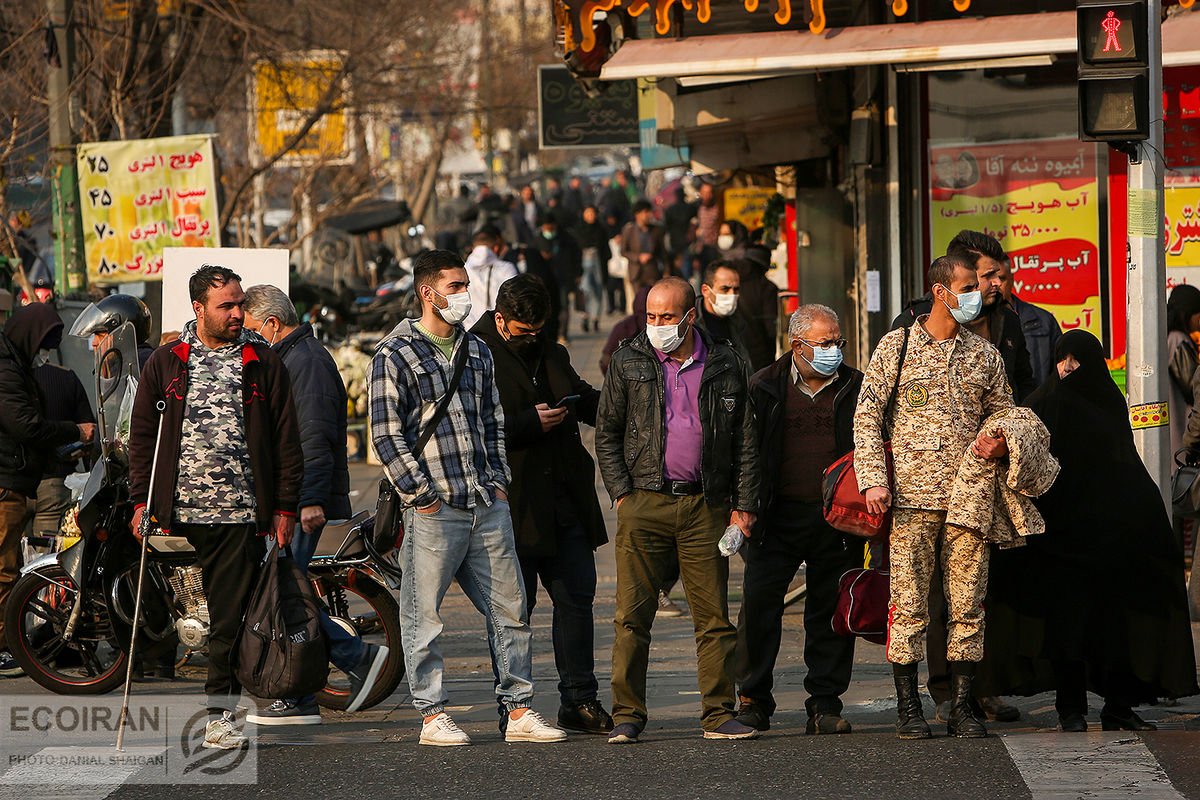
(140, 196)
(747, 205)
(285, 94)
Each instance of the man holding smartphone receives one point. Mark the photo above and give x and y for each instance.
(556, 516)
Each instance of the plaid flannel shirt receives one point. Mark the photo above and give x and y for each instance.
(465, 455)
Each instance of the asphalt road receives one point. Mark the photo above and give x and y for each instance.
(375, 753)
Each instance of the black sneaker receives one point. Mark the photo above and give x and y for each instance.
(752, 716)
(625, 733)
(9, 668)
(362, 677)
(288, 712)
(589, 717)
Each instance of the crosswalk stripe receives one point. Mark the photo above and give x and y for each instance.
(1100, 766)
(72, 773)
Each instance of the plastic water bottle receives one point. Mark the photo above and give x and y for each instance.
(731, 541)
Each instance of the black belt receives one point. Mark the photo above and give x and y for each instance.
(681, 488)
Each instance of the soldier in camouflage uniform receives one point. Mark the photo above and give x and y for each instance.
(229, 464)
(950, 382)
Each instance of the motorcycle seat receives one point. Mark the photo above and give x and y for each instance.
(340, 538)
(171, 544)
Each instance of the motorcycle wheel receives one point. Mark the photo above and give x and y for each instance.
(35, 616)
(358, 602)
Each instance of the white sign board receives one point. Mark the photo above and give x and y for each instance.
(255, 266)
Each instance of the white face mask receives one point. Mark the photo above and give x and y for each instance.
(665, 338)
(40, 357)
(724, 304)
(457, 310)
(725, 241)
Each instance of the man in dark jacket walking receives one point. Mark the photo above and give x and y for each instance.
(320, 399)
(552, 495)
(27, 438)
(677, 451)
(804, 412)
(229, 464)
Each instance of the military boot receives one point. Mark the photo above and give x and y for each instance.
(963, 722)
(910, 719)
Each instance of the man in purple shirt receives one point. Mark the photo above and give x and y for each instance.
(676, 447)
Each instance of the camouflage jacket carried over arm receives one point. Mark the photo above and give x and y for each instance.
(944, 395)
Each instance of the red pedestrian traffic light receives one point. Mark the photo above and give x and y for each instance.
(1113, 70)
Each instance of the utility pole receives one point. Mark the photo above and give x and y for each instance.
(485, 83)
(1146, 370)
(67, 226)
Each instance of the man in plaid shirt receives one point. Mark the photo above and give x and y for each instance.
(456, 520)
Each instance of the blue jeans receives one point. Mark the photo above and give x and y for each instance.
(345, 648)
(570, 579)
(475, 547)
(593, 286)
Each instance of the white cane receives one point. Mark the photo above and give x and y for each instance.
(144, 531)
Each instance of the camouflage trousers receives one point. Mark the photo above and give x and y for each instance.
(915, 537)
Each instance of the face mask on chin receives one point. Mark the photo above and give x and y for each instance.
(457, 309)
(665, 338)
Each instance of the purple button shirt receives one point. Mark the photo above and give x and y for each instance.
(682, 399)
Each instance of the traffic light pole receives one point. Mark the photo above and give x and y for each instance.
(67, 229)
(1146, 367)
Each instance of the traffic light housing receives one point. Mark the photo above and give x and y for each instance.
(1114, 74)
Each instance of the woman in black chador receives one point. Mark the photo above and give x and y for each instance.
(1097, 602)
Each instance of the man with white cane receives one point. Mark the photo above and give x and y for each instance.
(227, 470)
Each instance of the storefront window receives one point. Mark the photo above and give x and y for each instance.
(1003, 158)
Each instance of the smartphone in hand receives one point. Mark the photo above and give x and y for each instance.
(567, 401)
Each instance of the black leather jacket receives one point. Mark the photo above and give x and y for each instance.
(630, 432)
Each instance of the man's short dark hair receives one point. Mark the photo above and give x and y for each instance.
(972, 245)
(485, 237)
(524, 299)
(548, 217)
(492, 231)
(429, 264)
(685, 287)
(642, 205)
(209, 276)
(710, 272)
(942, 269)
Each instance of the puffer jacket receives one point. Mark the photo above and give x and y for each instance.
(27, 437)
(991, 498)
(320, 399)
(631, 433)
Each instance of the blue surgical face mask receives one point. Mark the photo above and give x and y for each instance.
(969, 306)
(825, 360)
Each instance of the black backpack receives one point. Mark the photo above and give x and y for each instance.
(281, 651)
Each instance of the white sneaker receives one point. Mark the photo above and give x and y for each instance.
(442, 732)
(221, 734)
(530, 727)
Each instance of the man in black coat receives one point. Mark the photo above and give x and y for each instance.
(27, 438)
(804, 417)
(552, 496)
(320, 399)
(1000, 325)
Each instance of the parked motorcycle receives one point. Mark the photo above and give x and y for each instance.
(69, 616)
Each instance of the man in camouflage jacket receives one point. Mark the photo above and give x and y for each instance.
(950, 382)
(229, 467)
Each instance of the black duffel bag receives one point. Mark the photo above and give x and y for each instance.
(281, 651)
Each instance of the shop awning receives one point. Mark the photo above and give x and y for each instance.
(969, 41)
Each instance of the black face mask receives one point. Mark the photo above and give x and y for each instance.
(524, 345)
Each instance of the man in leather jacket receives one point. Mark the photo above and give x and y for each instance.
(676, 445)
